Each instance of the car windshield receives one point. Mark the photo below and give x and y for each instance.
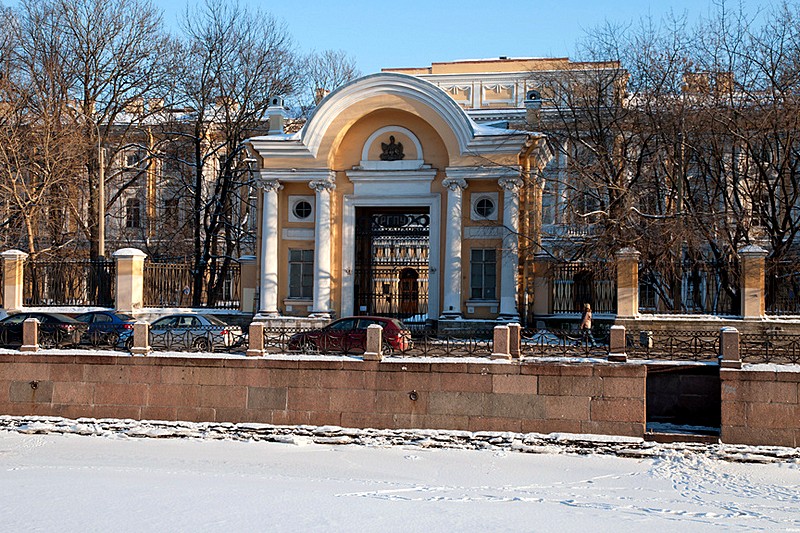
(85, 317)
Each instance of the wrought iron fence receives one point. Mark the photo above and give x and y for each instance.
(575, 284)
(170, 285)
(228, 339)
(563, 343)
(422, 343)
(73, 282)
(699, 289)
(783, 288)
(672, 345)
(770, 347)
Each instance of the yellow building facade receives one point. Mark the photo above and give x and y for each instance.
(392, 201)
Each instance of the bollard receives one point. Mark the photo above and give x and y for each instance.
(141, 338)
(514, 339)
(500, 349)
(729, 348)
(616, 345)
(255, 338)
(374, 348)
(30, 335)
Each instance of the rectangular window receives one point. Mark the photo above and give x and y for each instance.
(301, 273)
(483, 274)
(171, 206)
(133, 213)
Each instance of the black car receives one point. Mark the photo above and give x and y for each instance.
(105, 327)
(55, 330)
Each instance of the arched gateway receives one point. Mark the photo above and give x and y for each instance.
(391, 201)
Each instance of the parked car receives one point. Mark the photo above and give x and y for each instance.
(55, 330)
(349, 335)
(191, 331)
(105, 327)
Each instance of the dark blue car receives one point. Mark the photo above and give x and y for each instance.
(105, 327)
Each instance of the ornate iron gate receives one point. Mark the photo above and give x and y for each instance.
(391, 274)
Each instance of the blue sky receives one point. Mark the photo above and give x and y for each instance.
(411, 33)
(390, 33)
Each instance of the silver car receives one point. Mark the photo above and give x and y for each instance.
(195, 332)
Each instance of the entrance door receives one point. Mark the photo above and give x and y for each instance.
(391, 262)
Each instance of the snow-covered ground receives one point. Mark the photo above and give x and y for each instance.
(87, 475)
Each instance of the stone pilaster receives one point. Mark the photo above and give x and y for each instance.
(13, 279)
(248, 283)
(130, 279)
(501, 346)
(729, 355)
(452, 248)
(509, 269)
(268, 280)
(627, 283)
(752, 259)
(322, 248)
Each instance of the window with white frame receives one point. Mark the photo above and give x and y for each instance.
(301, 208)
(483, 206)
(483, 274)
(301, 274)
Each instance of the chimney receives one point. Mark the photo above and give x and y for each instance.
(276, 113)
(533, 107)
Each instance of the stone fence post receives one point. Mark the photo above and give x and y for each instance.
(501, 347)
(374, 348)
(255, 338)
(30, 335)
(13, 279)
(141, 338)
(617, 345)
(514, 339)
(752, 259)
(130, 280)
(729, 354)
(627, 283)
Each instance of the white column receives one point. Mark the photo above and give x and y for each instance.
(322, 248)
(268, 279)
(451, 280)
(509, 268)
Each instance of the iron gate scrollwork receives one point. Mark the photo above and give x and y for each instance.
(391, 271)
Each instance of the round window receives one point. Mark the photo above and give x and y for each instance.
(302, 209)
(484, 207)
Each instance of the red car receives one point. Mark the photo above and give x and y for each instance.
(349, 335)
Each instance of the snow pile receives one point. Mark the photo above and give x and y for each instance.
(554, 443)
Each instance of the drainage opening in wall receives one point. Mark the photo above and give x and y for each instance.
(683, 399)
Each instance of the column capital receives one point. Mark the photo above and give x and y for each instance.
(510, 184)
(321, 185)
(628, 253)
(271, 185)
(454, 184)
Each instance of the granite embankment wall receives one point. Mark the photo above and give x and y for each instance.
(492, 396)
(761, 406)
(758, 406)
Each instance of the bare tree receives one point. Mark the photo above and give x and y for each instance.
(323, 72)
(234, 60)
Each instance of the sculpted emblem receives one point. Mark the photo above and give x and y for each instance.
(392, 151)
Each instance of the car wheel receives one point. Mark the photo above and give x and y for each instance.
(387, 349)
(129, 343)
(111, 339)
(308, 347)
(48, 341)
(202, 345)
